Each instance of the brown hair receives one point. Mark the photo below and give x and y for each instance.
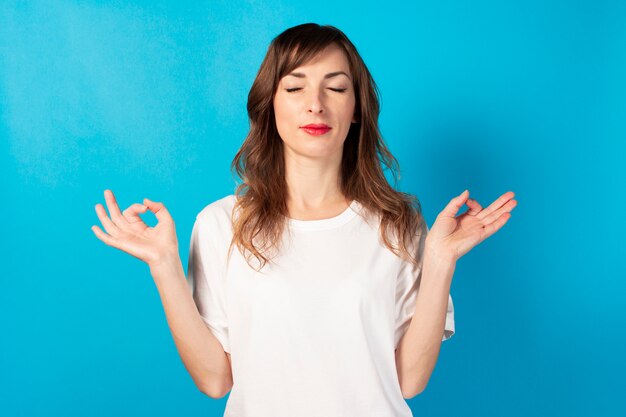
(261, 197)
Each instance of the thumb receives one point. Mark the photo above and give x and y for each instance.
(158, 209)
(455, 204)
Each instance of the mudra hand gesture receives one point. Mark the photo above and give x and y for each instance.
(127, 231)
(452, 237)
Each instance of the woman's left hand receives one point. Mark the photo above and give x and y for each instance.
(453, 237)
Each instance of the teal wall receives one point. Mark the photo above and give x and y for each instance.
(149, 99)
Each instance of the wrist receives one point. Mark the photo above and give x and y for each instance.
(438, 255)
(165, 260)
(437, 269)
(166, 270)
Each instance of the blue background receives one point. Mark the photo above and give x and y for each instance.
(149, 99)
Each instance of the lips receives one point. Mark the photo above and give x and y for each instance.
(316, 129)
(317, 126)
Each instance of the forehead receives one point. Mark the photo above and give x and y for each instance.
(332, 58)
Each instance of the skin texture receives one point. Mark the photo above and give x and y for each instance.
(312, 169)
(449, 238)
(455, 236)
(200, 351)
(312, 163)
(128, 232)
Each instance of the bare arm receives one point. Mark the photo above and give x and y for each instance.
(199, 349)
(419, 348)
(201, 352)
(449, 239)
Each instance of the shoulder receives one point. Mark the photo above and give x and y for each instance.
(221, 207)
(218, 214)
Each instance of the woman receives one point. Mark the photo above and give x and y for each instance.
(310, 274)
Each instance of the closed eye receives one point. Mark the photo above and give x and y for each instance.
(338, 90)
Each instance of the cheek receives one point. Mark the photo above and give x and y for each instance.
(349, 103)
(348, 109)
(283, 111)
(278, 113)
(282, 118)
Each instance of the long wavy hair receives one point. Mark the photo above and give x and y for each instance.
(261, 203)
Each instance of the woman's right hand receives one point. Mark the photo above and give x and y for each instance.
(127, 231)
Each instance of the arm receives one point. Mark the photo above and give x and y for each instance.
(450, 238)
(201, 352)
(418, 350)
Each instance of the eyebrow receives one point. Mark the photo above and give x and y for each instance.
(329, 75)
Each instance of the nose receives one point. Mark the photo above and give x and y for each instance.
(315, 104)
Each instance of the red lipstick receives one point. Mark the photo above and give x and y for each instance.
(316, 129)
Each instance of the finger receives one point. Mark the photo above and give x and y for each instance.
(474, 207)
(114, 210)
(103, 236)
(496, 204)
(510, 205)
(158, 209)
(132, 213)
(109, 226)
(455, 204)
(491, 228)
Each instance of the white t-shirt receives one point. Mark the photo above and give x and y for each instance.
(315, 333)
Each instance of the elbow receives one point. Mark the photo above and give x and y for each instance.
(413, 391)
(215, 391)
(207, 390)
(217, 386)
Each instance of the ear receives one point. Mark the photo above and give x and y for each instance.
(354, 120)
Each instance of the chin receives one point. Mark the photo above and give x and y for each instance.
(317, 152)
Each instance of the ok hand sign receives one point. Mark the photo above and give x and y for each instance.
(127, 231)
(455, 236)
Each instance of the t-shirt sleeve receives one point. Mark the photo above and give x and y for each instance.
(206, 279)
(407, 287)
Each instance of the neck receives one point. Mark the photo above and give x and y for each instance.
(314, 185)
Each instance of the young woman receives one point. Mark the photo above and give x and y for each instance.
(316, 289)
